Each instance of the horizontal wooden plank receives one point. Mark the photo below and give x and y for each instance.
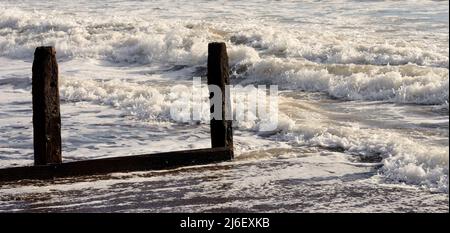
(145, 162)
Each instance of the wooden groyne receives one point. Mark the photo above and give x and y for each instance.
(48, 162)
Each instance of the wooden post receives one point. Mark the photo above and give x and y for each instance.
(218, 74)
(46, 114)
(146, 162)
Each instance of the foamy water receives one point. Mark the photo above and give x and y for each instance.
(367, 80)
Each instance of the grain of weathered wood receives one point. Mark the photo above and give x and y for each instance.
(47, 129)
(46, 113)
(118, 164)
(218, 74)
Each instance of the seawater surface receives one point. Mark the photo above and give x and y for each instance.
(363, 103)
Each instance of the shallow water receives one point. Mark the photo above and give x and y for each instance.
(363, 101)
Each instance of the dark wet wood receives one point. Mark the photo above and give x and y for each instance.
(47, 129)
(218, 74)
(46, 113)
(145, 162)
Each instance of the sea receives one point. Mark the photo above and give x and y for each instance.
(363, 103)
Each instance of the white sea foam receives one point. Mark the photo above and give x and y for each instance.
(147, 103)
(388, 84)
(137, 40)
(255, 52)
(404, 160)
(335, 48)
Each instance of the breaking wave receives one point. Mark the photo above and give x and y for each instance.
(343, 65)
(337, 64)
(403, 160)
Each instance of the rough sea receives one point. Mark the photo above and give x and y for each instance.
(363, 103)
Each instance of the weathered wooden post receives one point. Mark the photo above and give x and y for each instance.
(218, 74)
(46, 114)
